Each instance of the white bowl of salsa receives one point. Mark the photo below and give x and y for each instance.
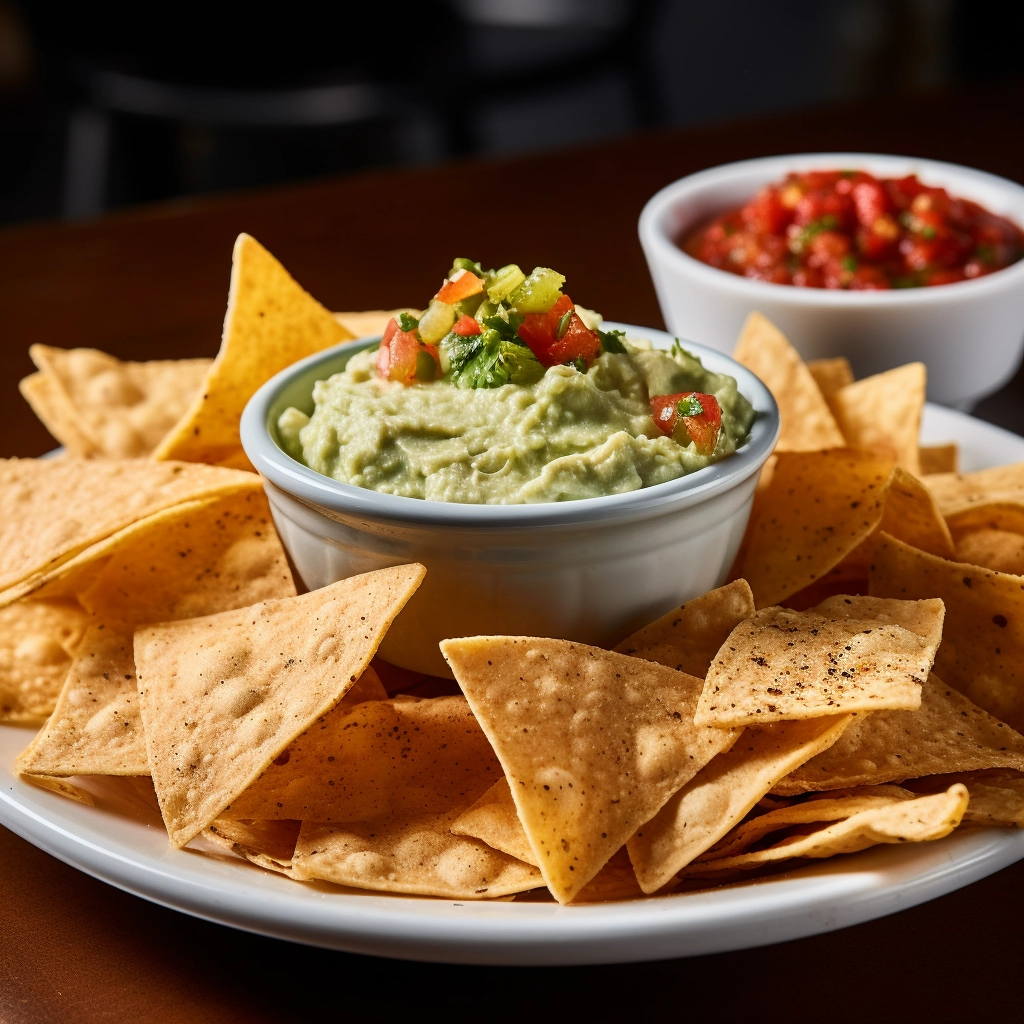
(592, 569)
(969, 332)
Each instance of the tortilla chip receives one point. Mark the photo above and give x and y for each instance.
(948, 733)
(723, 793)
(939, 458)
(807, 421)
(831, 375)
(615, 881)
(411, 855)
(818, 507)
(493, 819)
(222, 696)
(957, 492)
(982, 650)
(919, 820)
(370, 322)
(911, 515)
(832, 807)
(63, 788)
(883, 414)
(267, 844)
(997, 797)
(43, 395)
(123, 409)
(688, 638)
(783, 665)
(592, 742)
(993, 549)
(271, 322)
(37, 642)
(53, 510)
(377, 761)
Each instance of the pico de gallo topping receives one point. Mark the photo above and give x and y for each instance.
(689, 416)
(849, 229)
(488, 328)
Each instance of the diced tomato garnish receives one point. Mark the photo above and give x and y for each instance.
(460, 286)
(702, 429)
(466, 326)
(403, 357)
(540, 331)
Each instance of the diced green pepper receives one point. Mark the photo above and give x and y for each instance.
(500, 284)
(538, 292)
(436, 322)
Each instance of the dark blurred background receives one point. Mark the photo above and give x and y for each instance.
(103, 106)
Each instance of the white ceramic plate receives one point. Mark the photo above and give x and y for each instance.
(122, 841)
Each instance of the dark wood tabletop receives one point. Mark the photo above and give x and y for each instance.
(152, 283)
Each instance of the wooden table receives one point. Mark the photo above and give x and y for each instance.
(152, 284)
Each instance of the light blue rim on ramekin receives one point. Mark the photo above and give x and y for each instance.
(293, 387)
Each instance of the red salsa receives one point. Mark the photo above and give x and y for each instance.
(848, 229)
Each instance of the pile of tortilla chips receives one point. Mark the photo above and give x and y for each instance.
(857, 683)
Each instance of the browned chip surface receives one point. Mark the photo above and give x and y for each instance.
(982, 650)
(955, 492)
(939, 458)
(688, 638)
(831, 374)
(780, 664)
(592, 742)
(222, 696)
(817, 508)
(807, 421)
(911, 514)
(37, 642)
(493, 819)
(43, 394)
(723, 792)
(947, 733)
(271, 322)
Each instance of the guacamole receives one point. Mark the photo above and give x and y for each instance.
(576, 430)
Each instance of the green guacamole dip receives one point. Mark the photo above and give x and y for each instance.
(570, 435)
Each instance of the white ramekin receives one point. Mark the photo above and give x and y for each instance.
(591, 570)
(969, 334)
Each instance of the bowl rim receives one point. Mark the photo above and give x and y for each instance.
(659, 244)
(326, 494)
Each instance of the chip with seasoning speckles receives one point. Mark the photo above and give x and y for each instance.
(817, 508)
(947, 733)
(223, 695)
(982, 651)
(688, 638)
(592, 742)
(781, 665)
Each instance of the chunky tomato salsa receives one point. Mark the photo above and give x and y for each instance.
(848, 229)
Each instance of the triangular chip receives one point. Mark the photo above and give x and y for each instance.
(883, 414)
(831, 375)
(784, 665)
(911, 515)
(37, 642)
(592, 742)
(222, 696)
(377, 761)
(493, 819)
(51, 510)
(123, 409)
(44, 395)
(267, 844)
(807, 421)
(993, 549)
(919, 820)
(410, 855)
(997, 797)
(193, 562)
(722, 794)
(818, 507)
(829, 807)
(947, 733)
(982, 651)
(688, 638)
(271, 322)
(939, 458)
(955, 492)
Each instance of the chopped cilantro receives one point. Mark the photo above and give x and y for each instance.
(849, 262)
(690, 406)
(407, 323)
(928, 232)
(611, 341)
(986, 253)
(489, 361)
(506, 326)
(580, 363)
